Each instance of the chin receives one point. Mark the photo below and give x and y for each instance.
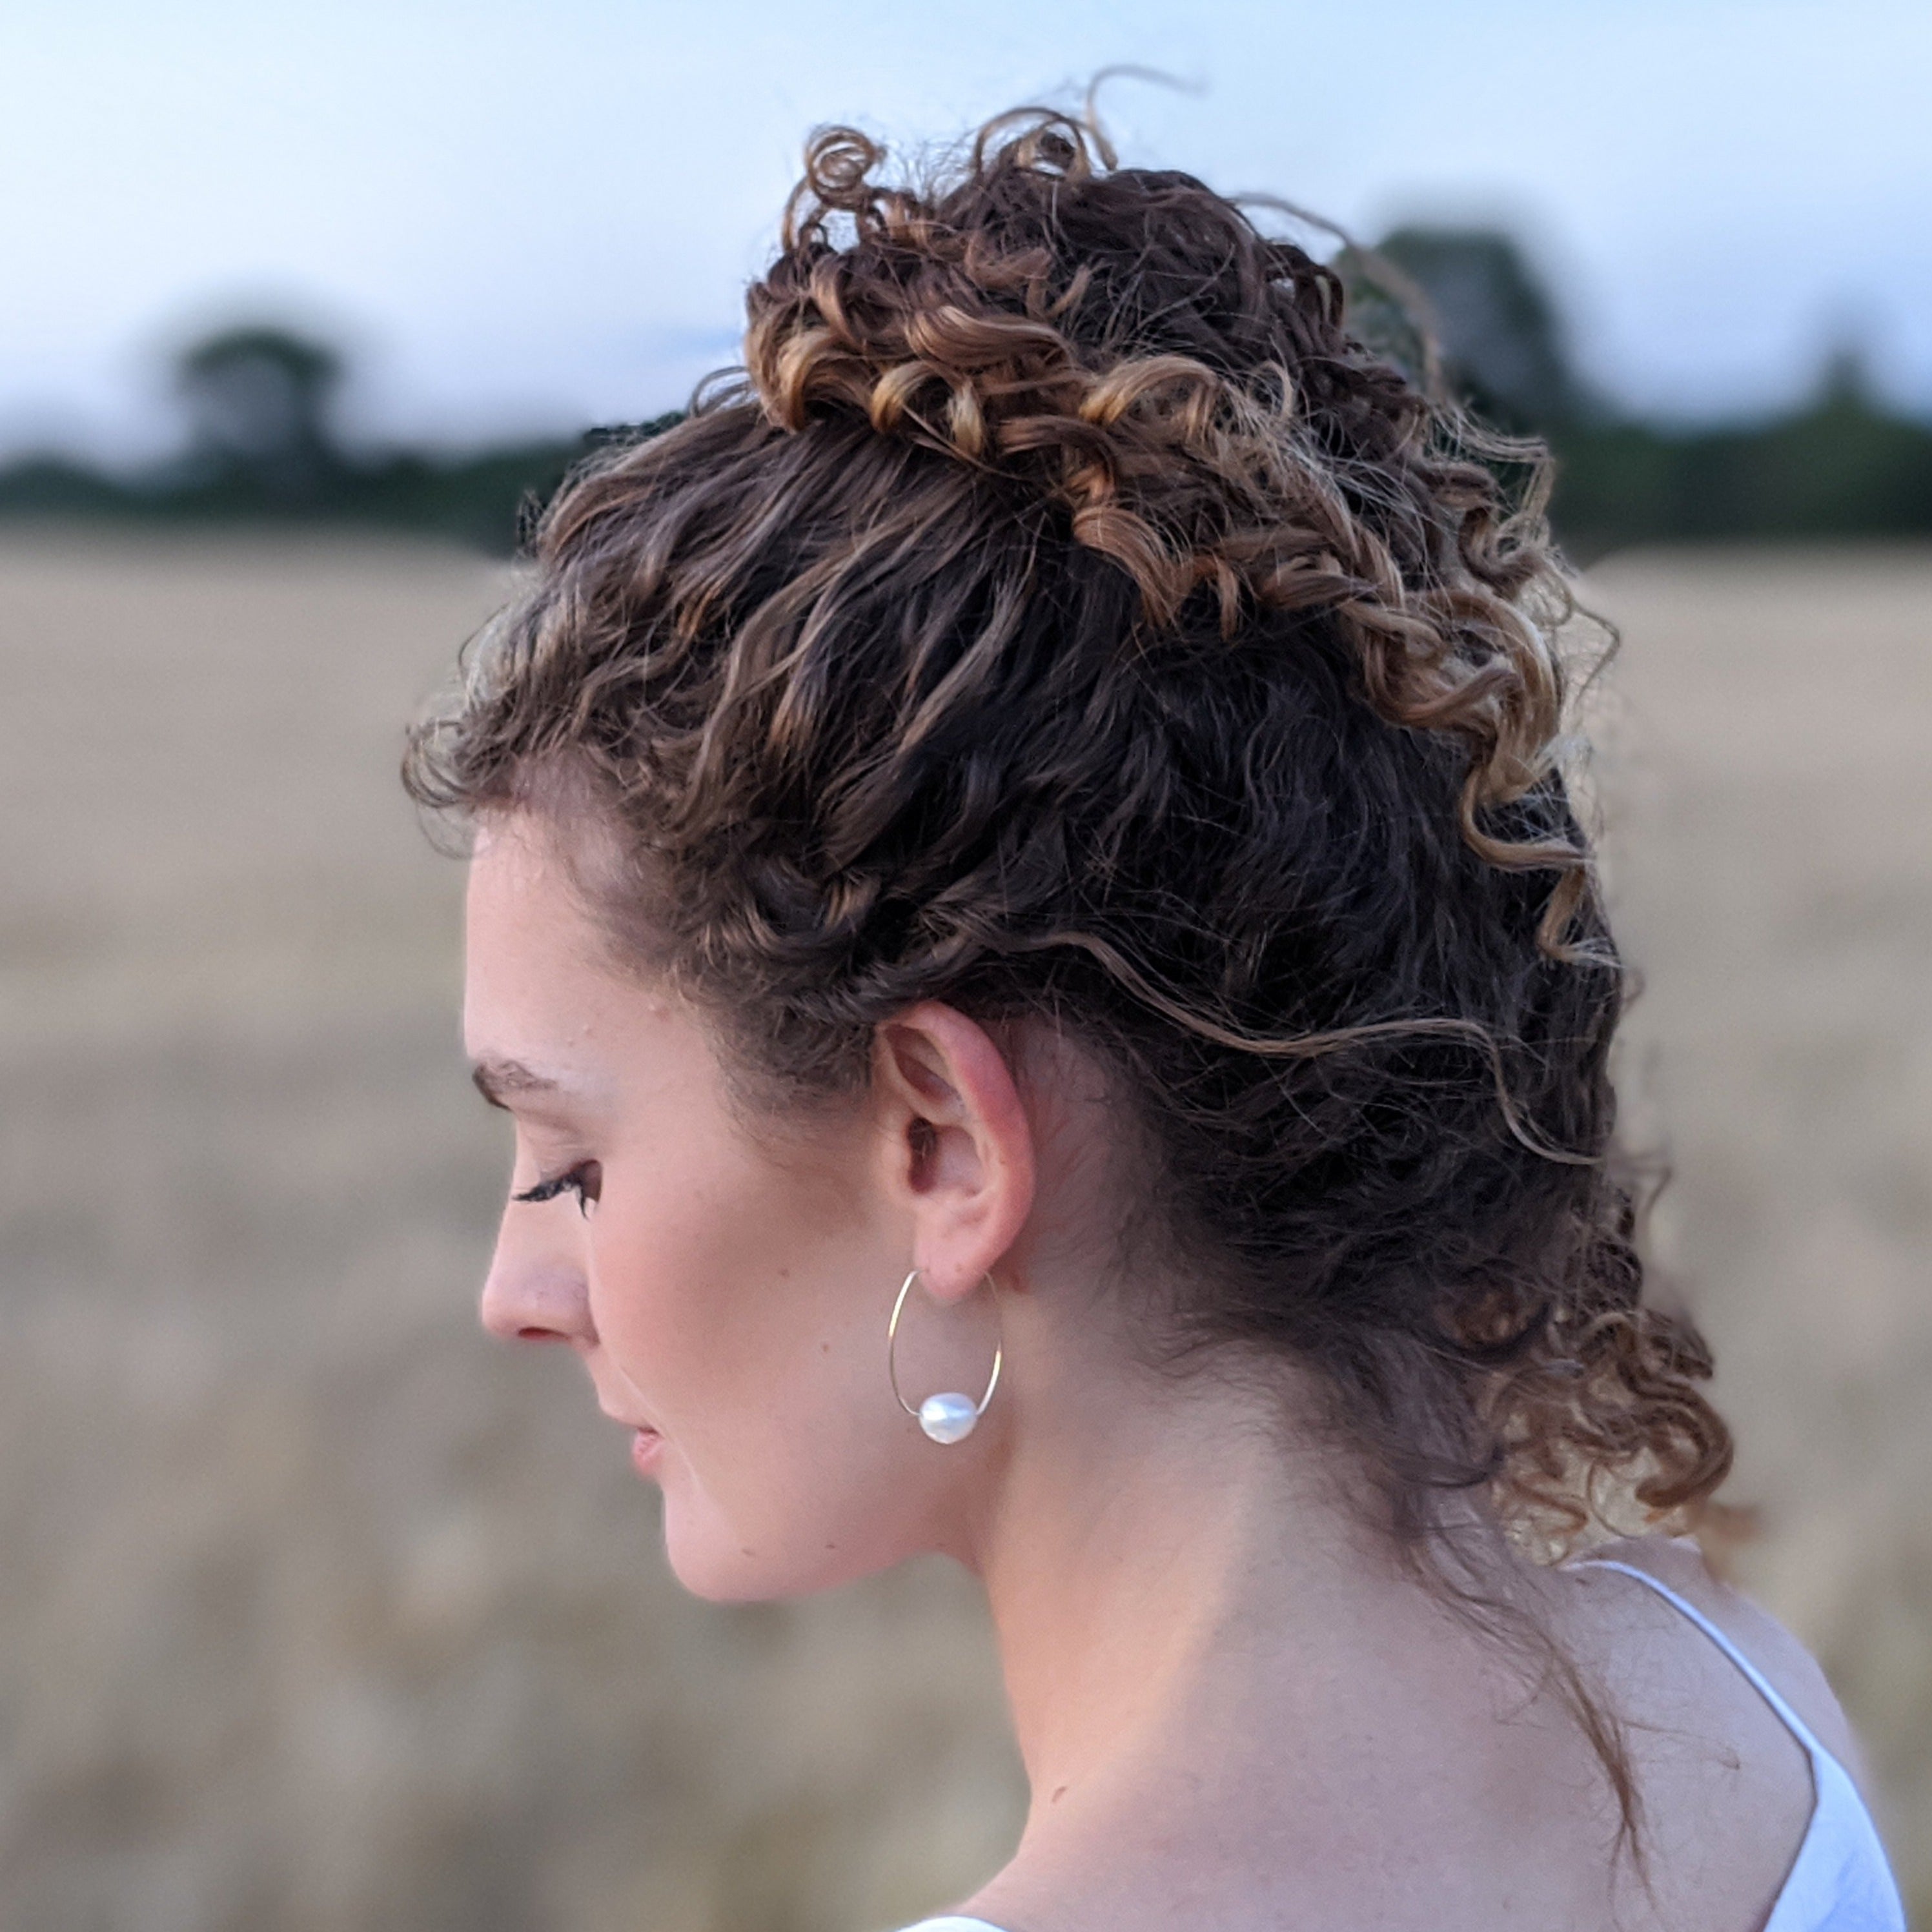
(726, 1561)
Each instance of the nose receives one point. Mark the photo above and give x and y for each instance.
(535, 1291)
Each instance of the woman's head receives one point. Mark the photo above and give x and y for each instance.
(724, 1274)
(1065, 624)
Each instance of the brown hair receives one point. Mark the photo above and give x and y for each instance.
(1063, 614)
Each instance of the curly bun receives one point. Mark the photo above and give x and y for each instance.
(1063, 614)
(1127, 344)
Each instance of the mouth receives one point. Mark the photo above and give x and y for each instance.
(646, 1443)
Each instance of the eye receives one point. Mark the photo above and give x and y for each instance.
(585, 1181)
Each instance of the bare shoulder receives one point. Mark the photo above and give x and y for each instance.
(1793, 1672)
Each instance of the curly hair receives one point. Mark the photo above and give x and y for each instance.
(1062, 613)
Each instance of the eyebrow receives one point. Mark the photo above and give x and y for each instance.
(495, 1078)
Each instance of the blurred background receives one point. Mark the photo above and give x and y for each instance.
(318, 1612)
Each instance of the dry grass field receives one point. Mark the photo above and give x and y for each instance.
(318, 1614)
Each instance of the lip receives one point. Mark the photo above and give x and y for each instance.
(646, 1445)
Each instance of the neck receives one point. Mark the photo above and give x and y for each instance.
(1160, 1562)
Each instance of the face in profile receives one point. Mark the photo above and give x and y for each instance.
(725, 1281)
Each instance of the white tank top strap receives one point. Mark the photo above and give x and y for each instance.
(1839, 1880)
(952, 1925)
(1762, 1684)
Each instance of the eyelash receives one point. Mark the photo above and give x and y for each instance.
(583, 1180)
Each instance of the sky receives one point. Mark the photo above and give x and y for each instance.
(521, 218)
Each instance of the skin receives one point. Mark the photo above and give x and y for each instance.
(1236, 1708)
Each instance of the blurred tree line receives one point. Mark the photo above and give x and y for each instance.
(1839, 464)
(261, 441)
(262, 445)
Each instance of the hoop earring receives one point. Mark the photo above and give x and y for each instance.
(951, 1416)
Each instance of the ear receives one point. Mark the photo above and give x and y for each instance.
(959, 1148)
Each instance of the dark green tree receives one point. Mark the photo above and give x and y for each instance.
(259, 400)
(1497, 327)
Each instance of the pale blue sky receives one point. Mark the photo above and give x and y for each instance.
(528, 216)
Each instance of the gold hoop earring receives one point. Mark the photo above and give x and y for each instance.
(951, 1416)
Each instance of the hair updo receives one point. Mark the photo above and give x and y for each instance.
(1063, 614)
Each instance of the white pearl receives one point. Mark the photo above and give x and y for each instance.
(949, 1418)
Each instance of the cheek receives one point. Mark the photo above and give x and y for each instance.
(746, 1308)
(707, 1267)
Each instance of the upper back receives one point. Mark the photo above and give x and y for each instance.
(1751, 1820)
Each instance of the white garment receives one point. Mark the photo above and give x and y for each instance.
(1838, 1883)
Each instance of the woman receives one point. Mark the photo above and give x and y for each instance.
(1055, 1007)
